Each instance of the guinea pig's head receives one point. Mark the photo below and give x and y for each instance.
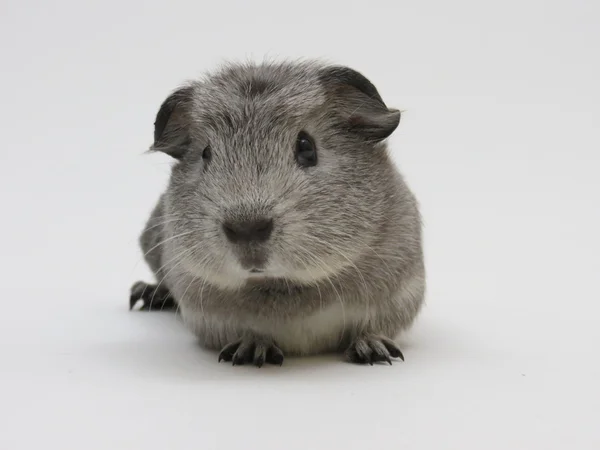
(281, 171)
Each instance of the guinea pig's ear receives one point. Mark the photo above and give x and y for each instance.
(357, 103)
(171, 127)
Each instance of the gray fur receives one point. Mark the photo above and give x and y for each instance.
(344, 263)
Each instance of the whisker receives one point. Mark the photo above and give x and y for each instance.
(326, 269)
(161, 224)
(169, 239)
(181, 257)
(158, 245)
(358, 271)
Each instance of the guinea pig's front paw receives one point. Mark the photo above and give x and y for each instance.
(371, 349)
(252, 350)
(154, 297)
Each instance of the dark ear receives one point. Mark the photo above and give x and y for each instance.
(171, 127)
(358, 104)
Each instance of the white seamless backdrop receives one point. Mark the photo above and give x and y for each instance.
(499, 140)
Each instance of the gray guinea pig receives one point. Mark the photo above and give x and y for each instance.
(285, 227)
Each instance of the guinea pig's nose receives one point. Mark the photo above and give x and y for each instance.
(249, 231)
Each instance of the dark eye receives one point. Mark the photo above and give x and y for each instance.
(306, 151)
(207, 153)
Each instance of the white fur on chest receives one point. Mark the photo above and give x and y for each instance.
(319, 332)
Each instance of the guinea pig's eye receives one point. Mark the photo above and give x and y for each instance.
(207, 153)
(306, 151)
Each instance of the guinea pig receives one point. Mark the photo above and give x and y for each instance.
(286, 228)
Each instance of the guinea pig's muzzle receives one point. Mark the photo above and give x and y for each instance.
(249, 238)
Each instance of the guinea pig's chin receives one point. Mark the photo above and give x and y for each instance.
(233, 276)
(304, 275)
(226, 278)
(310, 276)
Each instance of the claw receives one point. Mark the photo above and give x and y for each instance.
(395, 352)
(373, 349)
(260, 353)
(153, 297)
(250, 352)
(238, 360)
(275, 356)
(228, 351)
(393, 349)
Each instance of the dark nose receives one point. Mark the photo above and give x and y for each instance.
(249, 231)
